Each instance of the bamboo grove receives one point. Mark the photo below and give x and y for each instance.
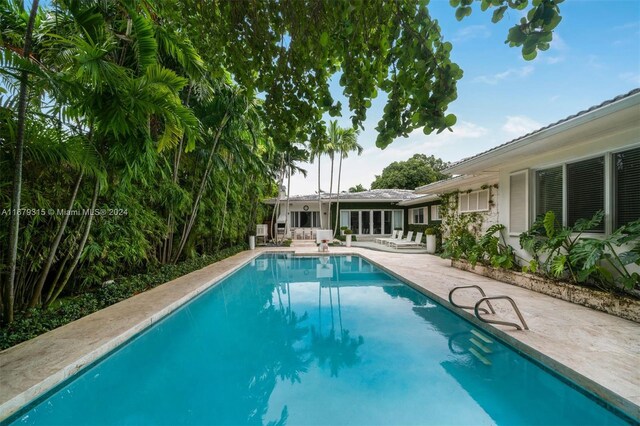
(169, 121)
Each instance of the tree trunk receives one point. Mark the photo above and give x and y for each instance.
(14, 226)
(194, 211)
(335, 231)
(276, 206)
(319, 195)
(83, 241)
(224, 212)
(332, 155)
(286, 219)
(35, 297)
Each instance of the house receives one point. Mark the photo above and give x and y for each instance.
(575, 167)
(368, 214)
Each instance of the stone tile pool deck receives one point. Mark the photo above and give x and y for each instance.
(600, 352)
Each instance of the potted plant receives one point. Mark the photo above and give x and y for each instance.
(431, 239)
(347, 234)
(252, 240)
(343, 229)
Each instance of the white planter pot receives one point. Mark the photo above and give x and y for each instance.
(348, 240)
(252, 242)
(431, 244)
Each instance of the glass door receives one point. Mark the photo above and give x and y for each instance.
(387, 222)
(366, 222)
(377, 222)
(355, 222)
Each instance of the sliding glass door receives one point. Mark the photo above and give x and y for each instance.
(372, 222)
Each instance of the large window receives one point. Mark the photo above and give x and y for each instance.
(573, 191)
(305, 220)
(549, 192)
(626, 169)
(585, 190)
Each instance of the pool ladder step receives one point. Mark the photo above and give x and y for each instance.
(480, 347)
(477, 309)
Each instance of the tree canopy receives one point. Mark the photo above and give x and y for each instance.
(416, 171)
(289, 50)
(358, 188)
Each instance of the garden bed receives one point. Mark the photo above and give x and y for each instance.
(620, 306)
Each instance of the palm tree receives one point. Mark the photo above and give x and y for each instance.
(348, 142)
(318, 147)
(9, 289)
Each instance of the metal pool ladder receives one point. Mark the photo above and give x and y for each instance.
(477, 309)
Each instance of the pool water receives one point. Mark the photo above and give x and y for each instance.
(314, 340)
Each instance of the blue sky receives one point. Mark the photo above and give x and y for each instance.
(595, 56)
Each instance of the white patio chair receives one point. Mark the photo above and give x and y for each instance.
(408, 244)
(394, 236)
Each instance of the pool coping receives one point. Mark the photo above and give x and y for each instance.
(202, 280)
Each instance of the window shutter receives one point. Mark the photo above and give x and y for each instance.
(627, 182)
(518, 202)
(411, 217)
(483, 200)
(464, 202)
(585, 190)
(549, 192)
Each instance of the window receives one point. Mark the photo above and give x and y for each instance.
(549, 192)
(518, 220)
(435, 212)
(585, 186)
(475, 201)
(305, 220)
(626, 170)
(418, 215)
(585, 190)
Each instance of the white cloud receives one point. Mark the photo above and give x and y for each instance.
(553, 59)
(558, 43)
(554, 98)
(471, 32)
(363, 169)
(630, 77)
(519, 125)
(511, 73)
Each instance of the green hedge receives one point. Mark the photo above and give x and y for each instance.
(30, 324)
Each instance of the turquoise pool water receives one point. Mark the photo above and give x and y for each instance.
(327, 341)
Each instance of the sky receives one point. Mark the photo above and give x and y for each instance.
(594, 57)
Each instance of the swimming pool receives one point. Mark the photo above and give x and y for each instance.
(314, 340)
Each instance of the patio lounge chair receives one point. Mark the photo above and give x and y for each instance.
(400, 239)
(394, 236)
(408, 244)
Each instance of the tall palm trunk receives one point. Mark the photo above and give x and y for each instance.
(332, 155)
(35, 297)
(276, 206)
(205, 177)
(335, 230)
(14, 227)
(83, 241)
(319, 195)
(224, 211)
(286, 219)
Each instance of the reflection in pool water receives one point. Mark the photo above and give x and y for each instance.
(302, 340)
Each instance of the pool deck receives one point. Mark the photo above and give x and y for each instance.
(599, 351)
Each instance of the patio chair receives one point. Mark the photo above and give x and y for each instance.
(394, 236)
(402, 240)
(408, 244)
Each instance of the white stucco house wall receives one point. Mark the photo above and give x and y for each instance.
(587, 162)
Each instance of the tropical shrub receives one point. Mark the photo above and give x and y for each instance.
(562, 252)
(490, 249)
